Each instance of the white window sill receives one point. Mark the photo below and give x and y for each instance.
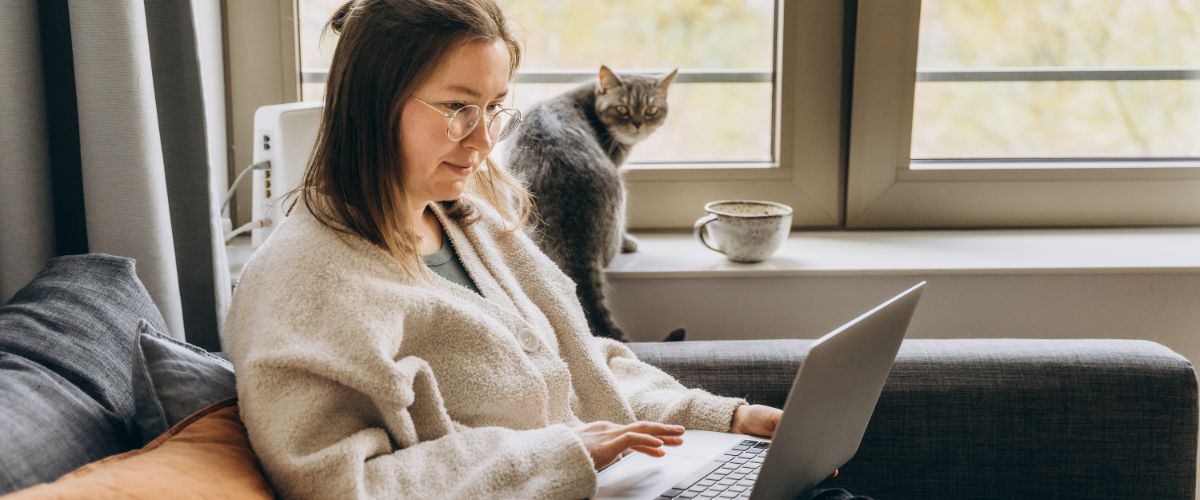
(940, 252)
(934, 252)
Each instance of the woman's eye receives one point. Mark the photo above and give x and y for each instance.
(623, 110)
(494, 108)
(652, 110)
(453, 106)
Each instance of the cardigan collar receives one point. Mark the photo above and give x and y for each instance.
(483, 261)
(487, 268)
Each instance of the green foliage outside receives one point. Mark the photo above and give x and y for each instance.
(732, 122)
(1058, 119)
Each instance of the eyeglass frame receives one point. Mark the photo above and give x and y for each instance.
(515, 115)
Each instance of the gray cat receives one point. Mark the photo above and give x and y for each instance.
(567, 151)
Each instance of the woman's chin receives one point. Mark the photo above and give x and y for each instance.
(452, 193)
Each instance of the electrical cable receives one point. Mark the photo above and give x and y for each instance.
(262, 165)
(246, 227)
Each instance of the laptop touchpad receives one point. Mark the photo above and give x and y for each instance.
(642, 476)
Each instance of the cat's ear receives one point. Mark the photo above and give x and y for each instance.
(665, 82)
(607, 79)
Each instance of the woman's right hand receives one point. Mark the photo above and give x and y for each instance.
(605, 441)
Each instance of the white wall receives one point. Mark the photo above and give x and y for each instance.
(1161, 307)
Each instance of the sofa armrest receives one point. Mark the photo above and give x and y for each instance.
(720, 366)
(992, 418)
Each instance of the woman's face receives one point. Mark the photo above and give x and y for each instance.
(435, 168)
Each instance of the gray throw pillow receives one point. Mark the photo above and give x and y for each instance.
(66, 388)
(174, 379)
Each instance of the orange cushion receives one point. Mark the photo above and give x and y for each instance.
(207, 455)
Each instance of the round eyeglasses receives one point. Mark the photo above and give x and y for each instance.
(500, 124)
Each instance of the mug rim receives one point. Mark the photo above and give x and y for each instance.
(708, 207)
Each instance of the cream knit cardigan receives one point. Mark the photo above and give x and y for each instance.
(357, 383)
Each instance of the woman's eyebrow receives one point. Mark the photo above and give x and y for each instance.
(471, 92)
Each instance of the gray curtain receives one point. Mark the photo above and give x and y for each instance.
(102, 149)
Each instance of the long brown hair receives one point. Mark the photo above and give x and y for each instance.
(355, 177)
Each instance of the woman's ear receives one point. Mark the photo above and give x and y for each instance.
(607, 79)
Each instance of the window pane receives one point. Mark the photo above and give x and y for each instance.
(645, 34)
(737, 131)
(315, 50)
(1107, 119)
(707, 122)
(1080, 108)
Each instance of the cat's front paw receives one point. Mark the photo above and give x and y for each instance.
(628, 244)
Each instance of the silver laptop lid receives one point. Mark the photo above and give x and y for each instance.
(832, 398)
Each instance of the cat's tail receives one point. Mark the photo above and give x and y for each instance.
(590, 287)
(676, 335)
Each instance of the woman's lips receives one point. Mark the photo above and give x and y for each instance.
(462, 169)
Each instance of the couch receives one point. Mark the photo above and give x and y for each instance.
(966, 418)
(992, 418)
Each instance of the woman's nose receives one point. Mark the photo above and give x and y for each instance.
(478, 139)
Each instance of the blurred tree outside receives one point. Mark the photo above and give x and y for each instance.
(707, 122)
(731, 122)
(1058, 119)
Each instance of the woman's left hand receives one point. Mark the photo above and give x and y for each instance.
(756, 420)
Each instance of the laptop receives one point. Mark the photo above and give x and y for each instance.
(824, 418)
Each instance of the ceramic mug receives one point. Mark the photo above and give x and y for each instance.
(744, 230)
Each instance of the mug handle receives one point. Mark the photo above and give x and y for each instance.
(701, 233)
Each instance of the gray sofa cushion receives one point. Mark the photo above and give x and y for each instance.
(66, 349)
(174, 379)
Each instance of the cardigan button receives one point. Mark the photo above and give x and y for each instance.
(529, 340)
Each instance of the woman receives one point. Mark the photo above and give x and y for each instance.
(399, 335)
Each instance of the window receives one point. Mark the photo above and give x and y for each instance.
(1057, 79)
(977, 113)
(857, 113)
(315, 50)
(721, 103)
(736, 117)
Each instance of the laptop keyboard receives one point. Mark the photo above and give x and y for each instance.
(730, 475)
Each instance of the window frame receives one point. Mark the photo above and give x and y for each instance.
(884, 192)
(806, 174)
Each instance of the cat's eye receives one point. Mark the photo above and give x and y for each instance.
(622, 110)
(652, 110)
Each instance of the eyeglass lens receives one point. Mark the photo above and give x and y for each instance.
(500, 125)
